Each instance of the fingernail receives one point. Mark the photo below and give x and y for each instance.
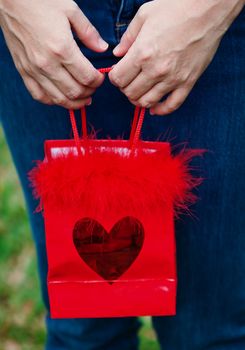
(103, 44)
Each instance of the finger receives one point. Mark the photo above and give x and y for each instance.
(81, 69)
(154, 95)
(78, 104)
(131, 33)
(86, 31)
(173, 101)
(57, 97)
(140, 86)
(36, 90)
(65, 82)
(125, 71)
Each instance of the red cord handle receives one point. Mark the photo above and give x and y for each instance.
(139, 114)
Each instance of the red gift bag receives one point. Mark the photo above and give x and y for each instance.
(109, 208)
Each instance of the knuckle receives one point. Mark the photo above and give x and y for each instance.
(145, 54)
(135, 103)
(137, 64)
(177, 78)
(38, 96)
(59, 48)
(73, 105)
(184, 77)
(171, 107)
(74, 94)
(142, 11)
(161, 69)
(89, 78)
(60, 101)
(116, 80)
(129, 94)
(88, 92)
(42, 63)
(145, 103)
(173, 81)
(68, 104)
(47, 101)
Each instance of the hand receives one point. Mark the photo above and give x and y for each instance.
(39, 37)
(166, 48)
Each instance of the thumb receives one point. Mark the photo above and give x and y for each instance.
(86, 32)
(129, 36)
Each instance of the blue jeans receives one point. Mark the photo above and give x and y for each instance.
(210, 246)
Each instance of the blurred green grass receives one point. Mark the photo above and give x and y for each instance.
(21, 308)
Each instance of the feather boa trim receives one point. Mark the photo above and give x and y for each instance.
(102, 181)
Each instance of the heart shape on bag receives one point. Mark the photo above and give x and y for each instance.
(109, 254)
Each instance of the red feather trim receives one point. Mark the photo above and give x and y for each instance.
(102, 181)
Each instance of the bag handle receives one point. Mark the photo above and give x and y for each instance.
(139, 114)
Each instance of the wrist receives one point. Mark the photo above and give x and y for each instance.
(229, 10)
(214, 15)
(223, 10)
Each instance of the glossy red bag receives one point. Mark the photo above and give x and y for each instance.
(109, 208)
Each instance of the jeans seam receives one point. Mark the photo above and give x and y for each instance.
(120, 11)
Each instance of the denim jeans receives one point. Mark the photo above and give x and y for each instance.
(210, 244)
